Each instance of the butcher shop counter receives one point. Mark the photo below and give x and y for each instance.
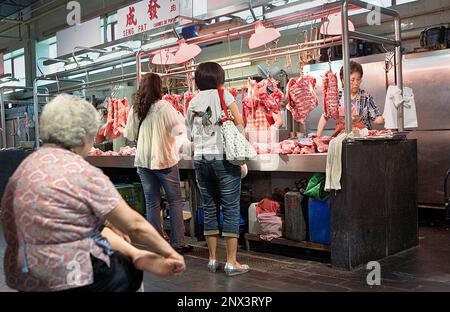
(266, 162)
(373, 216)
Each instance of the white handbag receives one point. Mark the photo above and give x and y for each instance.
(237, 149)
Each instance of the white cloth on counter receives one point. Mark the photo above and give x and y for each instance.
(334, 163)
(393, 100)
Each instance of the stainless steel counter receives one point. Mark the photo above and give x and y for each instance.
(283, 163)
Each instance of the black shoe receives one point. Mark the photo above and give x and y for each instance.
(184, 248)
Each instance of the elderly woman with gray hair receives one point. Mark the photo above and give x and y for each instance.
(54, 212)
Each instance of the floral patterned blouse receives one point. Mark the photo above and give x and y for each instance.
(53, 209)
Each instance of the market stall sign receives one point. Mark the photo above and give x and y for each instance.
(146, 15)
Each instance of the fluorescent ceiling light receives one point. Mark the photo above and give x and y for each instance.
(293, 8)
(70, 66)
(77, 76)
(112, 55)
(126, 64)
(236, 65)
(159, 44)
(100, 70)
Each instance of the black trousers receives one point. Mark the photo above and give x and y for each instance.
(121, 276)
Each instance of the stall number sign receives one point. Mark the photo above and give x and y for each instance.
(146, 15)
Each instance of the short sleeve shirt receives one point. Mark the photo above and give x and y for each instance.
(52, 204)
(207, 140)
(365, 106)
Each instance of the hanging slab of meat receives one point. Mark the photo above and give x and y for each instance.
(187, 98)
(233, 91)
(269, 95)
(107, 128)
(330, 95)
(264, 97)
(122, 114)
(175, 100)
(116, 120)
(116, 115)
(301, 97)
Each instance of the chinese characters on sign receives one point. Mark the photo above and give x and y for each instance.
(131, 19)
(146, 15)
(153, 7)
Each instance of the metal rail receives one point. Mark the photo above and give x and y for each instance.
(347, 35)
(3, 112)
(293, 18)
(304, 15)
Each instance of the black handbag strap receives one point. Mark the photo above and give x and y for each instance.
(139, 128)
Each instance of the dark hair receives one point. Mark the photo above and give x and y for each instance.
(354, 68)
(150, 91)
(209, 75)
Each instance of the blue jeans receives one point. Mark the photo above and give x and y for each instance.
(219, 183)
(169, 179)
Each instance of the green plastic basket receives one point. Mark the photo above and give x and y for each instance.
(133, 195)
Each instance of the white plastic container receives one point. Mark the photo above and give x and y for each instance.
(253, 224)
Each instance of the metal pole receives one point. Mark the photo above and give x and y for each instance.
(139, 67)
(372, 38)
(36, 112)
(3, 119)
(399, 71)
(346, 58)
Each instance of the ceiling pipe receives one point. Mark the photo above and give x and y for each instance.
(31, 20)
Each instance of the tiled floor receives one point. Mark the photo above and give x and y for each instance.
(425, 268)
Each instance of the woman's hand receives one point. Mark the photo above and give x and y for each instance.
(173, 265)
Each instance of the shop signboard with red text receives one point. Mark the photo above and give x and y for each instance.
(146, 15)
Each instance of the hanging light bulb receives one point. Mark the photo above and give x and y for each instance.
(186, 52)
(163, 57)
(262, 36)
(333, 26)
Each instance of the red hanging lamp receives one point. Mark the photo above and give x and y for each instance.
(186, 52)
(262, 36)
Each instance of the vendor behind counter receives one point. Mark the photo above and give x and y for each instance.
(365, 112)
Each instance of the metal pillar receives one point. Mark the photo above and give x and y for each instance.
(36, 112)
(346, 58)
(3, 119)
(399, 70)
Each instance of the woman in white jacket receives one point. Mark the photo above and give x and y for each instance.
(155, 124)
